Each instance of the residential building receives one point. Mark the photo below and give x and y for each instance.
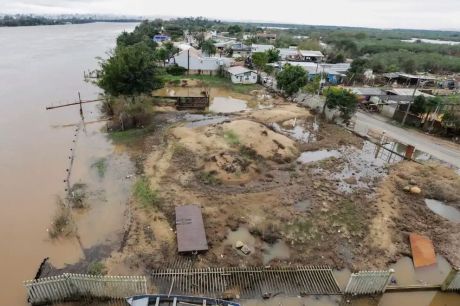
(261, 48)
(331, 73)
(311, 56)
(241, 50)
(289, 54)
(242, 75)
(196, 63)
(271, 37)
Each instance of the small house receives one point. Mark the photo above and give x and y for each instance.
(240, 50)
(261, 48)
(196, 63)
(311, 56)
(242, 75)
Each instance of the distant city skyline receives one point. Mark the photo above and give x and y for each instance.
(408, 14)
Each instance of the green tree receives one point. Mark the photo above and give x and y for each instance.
(260, 60)
(357, 69)
(234, 29)
(273, 55)
(313, 85)
(208, 47)
(130, 71)
(291, 79)
(343, 100)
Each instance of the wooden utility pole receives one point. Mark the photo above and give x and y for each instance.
(410, 103)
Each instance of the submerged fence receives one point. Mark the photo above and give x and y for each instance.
(77, 286)
(452, 282)
(368, 282)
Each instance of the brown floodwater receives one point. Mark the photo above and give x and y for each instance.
(40, 66)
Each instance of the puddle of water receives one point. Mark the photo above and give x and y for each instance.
(445, 211)
(108, 192)
(196, 120)
(299, 133)
(308, 157)
(430, 298)
(302, 206)
(227, 105)
(406, 274)
(342, 277)
(278, 250)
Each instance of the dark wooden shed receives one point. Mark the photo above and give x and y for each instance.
(191, 236)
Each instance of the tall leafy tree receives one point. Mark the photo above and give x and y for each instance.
(291, 79)
(130, 71)
(208, 47)
(343, 100)
(260, 60)
(273, 55)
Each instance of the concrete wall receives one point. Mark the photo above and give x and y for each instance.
(388, 110)
(250, 78)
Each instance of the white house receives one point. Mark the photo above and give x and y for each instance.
(261, 48)
(242, 75)
(196, 63)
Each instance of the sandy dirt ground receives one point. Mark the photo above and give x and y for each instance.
(346, 211)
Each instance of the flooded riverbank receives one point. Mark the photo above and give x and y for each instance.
(40, 66)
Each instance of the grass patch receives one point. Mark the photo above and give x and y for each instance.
(147, 196)
(350, 217)
(130, 136)
(101, 166)
(77, 195)
(208, 178)
(214, 81)
(96, 268)
(231, 137)
(62, 224)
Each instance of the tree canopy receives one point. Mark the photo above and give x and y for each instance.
(260, 60)
(129, 71)
(291, 79)
(208, 47)
(343, 100)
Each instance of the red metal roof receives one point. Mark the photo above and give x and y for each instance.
(422, 251)
(191, 236)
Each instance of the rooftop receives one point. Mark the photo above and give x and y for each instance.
(238, 70)
(311, 53)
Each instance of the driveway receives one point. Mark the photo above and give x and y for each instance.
(437, 147)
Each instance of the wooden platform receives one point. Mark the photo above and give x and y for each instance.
(191, 236)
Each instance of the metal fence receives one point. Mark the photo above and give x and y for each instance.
(76, 286)
(452, 282)
(368, 282)
(246, 282)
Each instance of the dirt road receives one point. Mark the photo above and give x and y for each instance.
(438, 148)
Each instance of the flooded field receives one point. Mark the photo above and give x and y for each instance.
(48, 62)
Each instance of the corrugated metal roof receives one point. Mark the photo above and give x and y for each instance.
(238, 70)
(311, 53)
(191, 236)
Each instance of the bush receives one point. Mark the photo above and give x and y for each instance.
(97, 268)
(175, 70)
(147, 196)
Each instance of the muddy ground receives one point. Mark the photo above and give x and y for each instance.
(349, 210)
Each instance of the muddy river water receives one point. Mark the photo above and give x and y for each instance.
(40, 66)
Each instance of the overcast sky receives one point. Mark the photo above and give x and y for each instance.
(420, 14)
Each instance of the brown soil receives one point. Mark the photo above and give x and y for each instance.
(242, 173)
